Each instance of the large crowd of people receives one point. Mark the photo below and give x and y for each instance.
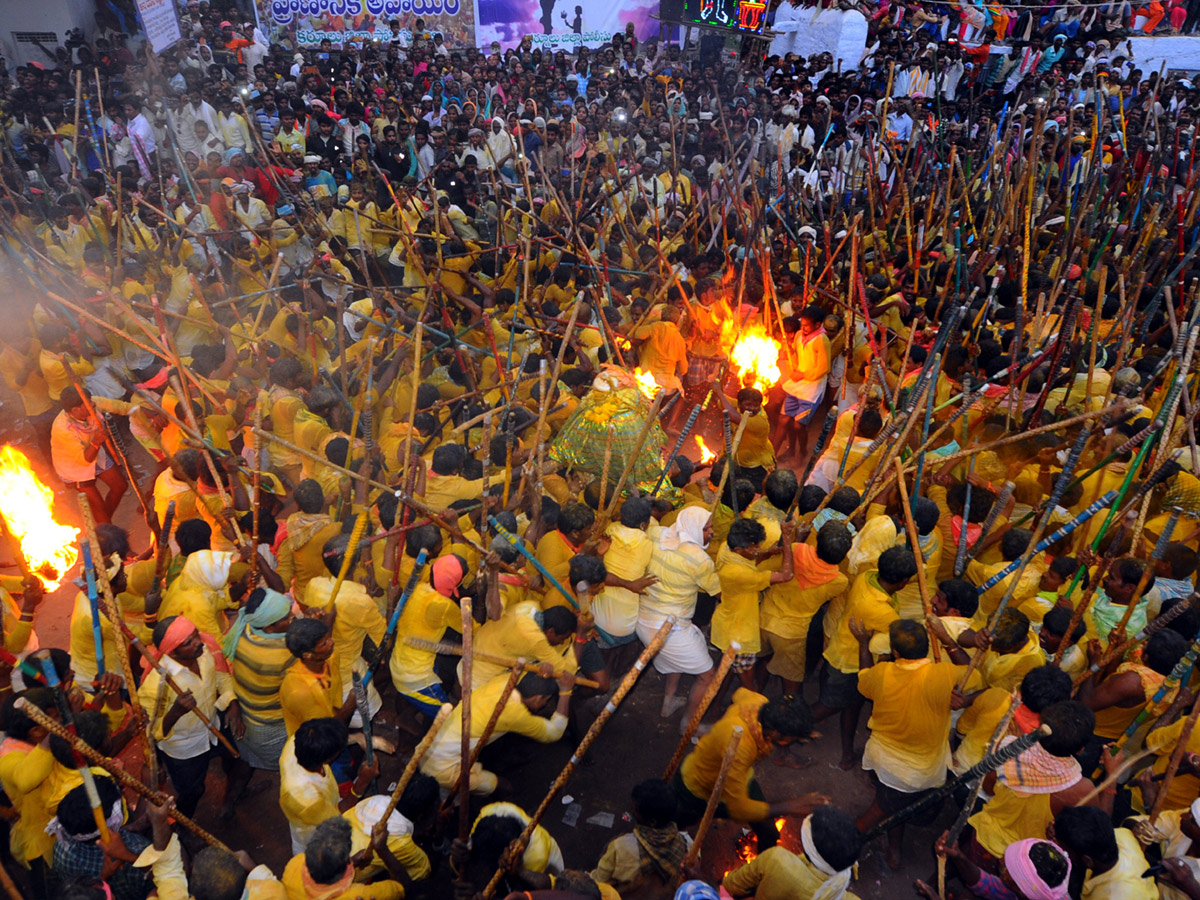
(385, 377)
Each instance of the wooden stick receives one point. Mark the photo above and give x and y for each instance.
(412, 403)
(714, 688)
(468, 664)
(415, 760)
(114, 769)
(514, 851)
(714, 800)
(464, 773)
(1176, 758)
(449, 649)
(911, 527)
(8, 884)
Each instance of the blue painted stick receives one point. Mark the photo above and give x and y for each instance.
(1046, 542)
(687, 428)
(524, 551)
(94, 603)
(390, 634)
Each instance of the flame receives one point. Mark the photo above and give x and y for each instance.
(755, 358)
(28, 508)
(646, 383)
(706, 455)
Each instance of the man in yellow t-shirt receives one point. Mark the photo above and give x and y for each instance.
(908, 751)
(312, 687)
(520, 714)
(742, 583)
(869, 603)
(765, 726)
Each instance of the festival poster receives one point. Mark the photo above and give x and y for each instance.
(305, 23)
(562, 24)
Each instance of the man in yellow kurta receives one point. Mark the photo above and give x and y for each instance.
(312, 688)
(432, 608)
(519, 715)
(908, 751)
(869, 603)
(822, 866)
(662, 351)
(308, 530)
(356, 615)
(804, 387)
(788, 608)
(736, 617)
(308, 792)
(764, 725)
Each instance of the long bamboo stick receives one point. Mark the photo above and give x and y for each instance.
(114, 769)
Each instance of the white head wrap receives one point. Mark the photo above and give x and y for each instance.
(370, 811)
(836, 883)
(688, 529)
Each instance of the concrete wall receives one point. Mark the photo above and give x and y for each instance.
(57, 16)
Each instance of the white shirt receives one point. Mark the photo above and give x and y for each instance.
(212, 690)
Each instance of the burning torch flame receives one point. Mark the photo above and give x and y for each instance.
(756, 354)
(646, 383)
(28, 507)
(706, 455)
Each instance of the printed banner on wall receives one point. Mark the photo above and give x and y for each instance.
(308, 22)
(561, 24)
(160, 22)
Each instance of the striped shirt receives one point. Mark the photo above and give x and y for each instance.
(258, 670)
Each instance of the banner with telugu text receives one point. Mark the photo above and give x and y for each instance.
(561, 24)
(305, 23)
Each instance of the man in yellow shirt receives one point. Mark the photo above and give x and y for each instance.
(662, 351)
(25, 764)
(312, 688)
(308, 791)
(908, 751)
(525, 632)
(432, 608)
(823, 865)
(788, 608)
(520, 715)
(1110, 858)
(755, 453)
(870, 603)
(736, 616)
(324, 870)
(804, 386)
(767, 725)
(308, 530)
(558, 547)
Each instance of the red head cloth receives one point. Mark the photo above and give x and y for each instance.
(179, 631)
(448, 574)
